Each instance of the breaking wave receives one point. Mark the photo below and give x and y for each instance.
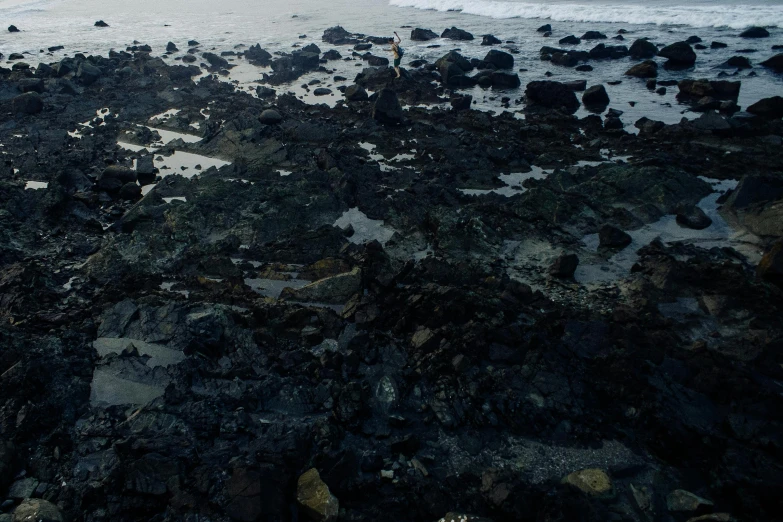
(711, 14)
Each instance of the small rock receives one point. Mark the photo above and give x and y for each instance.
(27, 103)
(101, 23)
(387, 108)
(592, 481)
(643, 49)
(775, 63)
(461, 103)
(593, 35)
(322, 91)
(12, 29)
(456, 34)
(545, 28)
(170, 47)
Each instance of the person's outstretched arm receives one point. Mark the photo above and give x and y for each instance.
(399, 40)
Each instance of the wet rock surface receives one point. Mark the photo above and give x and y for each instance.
(392, 308)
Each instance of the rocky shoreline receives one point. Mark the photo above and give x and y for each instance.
(223, 305)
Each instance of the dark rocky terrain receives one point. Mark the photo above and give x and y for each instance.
(336, 299)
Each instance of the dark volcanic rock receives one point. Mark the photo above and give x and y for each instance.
(613, 52)
(387, 109)
(564, 266)
(489, 39)
(546, 28)
(332, 54)
(339, 36)
(718, 45)
(771, 108)
(356, 93)
(613, 237)
(693, 217)
(101, 23)
(680, 55)
(570, 40)
(595, 96)
(739, 62)
(263, 91)
(27, 103)
(646, 69)
(171, 47)
(770, 267)
(270, 117)
(643, 48)
(504, 80)
(130, 192)
(87, 74)
(12, 29)
(258, 56)
(423, 35)
(499, 59)
(593, 35)
(322, 91)
(775, 63)
(754, 32)
(215, 60)
(577, 85)
(461, 103)
(456, 34)
(718, 89)
(551, 94)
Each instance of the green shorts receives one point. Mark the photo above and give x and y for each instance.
(397, 62)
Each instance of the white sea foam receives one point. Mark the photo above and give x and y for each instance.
(713, 14)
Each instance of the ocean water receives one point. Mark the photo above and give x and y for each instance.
(280, 24)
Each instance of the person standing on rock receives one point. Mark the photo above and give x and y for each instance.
(397, 52)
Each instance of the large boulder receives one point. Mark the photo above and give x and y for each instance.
(754, 32)
(7, 462)
(461, 103)
(611, 52)
(215, 60)
(356, 93)
(87, 73)
(564, 266)
(37, 510)
(339, 36)
(680, 54)
(314, 498)
(27, 103)
(456, 34)
(613, 237)
(595, 96)
(387, 108)
(693, 217)
(423, 35)
(718, 89)
(258, 56)
(455, 57)
(775, 63)
(504, 80)
(270, 117)
(499, 59)
(117, 172)
(489, 39)
(646, 69)
(770, 267)
(643, 48)
(551, 94)
(771, 108)
(757, 204)
(593, 35)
